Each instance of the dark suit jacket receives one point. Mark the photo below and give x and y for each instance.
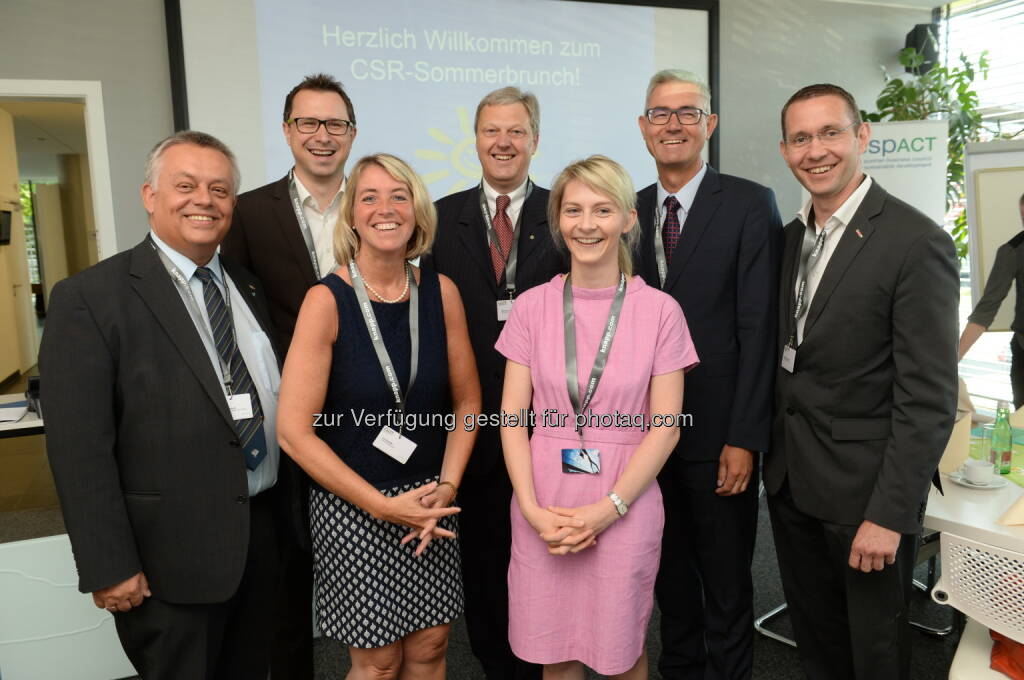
(266, 239)
(863, 420)
(461, 253)
(143, 449)
(724, 274)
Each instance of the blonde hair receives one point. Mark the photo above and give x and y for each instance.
(606, 177)
(511, 95)
(346, 240)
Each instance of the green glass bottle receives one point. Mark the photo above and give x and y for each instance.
(1002, 440)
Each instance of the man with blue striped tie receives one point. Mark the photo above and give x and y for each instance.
(161, 395)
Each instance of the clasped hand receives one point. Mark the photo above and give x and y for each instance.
(420, 509)
(571, 530)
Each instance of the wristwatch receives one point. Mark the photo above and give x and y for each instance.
(620, 505)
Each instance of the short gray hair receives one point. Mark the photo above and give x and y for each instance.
(678, 75)
(511, 95)
(201, 139)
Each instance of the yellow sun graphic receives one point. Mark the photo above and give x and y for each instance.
(464, 167)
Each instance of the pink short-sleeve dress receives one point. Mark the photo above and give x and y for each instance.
(593, 606)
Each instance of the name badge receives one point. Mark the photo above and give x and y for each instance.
(504, 309)
(581, 461)
(240, 406)
(788, 359)
(395, 445)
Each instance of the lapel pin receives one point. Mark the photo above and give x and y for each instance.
(859, 235)
(252, 287)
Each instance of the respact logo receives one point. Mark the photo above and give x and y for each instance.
(895, 145)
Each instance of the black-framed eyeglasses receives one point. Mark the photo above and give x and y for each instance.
(687, 115)
(828, 136)
(334, 126)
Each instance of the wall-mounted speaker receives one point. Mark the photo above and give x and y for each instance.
(924, 39)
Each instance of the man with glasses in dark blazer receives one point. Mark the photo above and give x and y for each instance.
(284, 233)
(712, 242)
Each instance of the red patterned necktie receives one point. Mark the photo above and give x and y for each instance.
(503, 228)
(670, 231)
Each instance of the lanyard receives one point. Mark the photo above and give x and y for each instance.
(378, 342)
(571, 374)
(810, 255)
(300, 215)
(197, 316)
(513, 254)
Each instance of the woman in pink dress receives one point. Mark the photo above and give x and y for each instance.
(587, 513)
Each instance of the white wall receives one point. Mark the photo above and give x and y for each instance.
(121, 43)
(769, 50)
(43, 168)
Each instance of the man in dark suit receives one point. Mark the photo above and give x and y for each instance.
(493, 242)
(866, 395)
(161, 392)
(711, 241)
(284, 233)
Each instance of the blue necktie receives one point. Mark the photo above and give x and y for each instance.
(250, 430)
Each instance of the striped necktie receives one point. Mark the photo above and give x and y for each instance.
(250, 431)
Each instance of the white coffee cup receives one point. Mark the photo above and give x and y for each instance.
(977, 471)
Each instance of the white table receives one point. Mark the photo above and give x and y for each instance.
(972, 513)
(31, 423)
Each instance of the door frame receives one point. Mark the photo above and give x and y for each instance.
(90, 92)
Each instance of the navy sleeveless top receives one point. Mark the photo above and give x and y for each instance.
(359, 400)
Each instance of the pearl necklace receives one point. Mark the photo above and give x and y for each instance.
(400, 295)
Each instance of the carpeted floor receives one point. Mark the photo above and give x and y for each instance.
(772, 660)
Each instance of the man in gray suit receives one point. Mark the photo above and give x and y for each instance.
(160, 383)
(865, 395)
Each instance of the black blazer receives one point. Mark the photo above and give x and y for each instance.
(461, 253)
(864, 418)
(143, 449)
(266, 239)
(724, 274)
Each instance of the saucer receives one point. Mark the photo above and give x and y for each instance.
(998, 482)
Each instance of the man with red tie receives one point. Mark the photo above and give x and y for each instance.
(712, 241)
(493, 242)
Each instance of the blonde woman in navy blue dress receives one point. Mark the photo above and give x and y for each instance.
(379, 336)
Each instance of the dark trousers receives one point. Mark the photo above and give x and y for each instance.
(167, 641)
(848, 625)
(704, 586)
(1017, 371)
(485, 539)
(292, 653)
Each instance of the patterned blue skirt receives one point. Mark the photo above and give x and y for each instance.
(372, 591)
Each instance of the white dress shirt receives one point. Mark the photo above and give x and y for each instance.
(685, 197)
(321, 224)
(516, 197)
(834, 227)
(254, 345)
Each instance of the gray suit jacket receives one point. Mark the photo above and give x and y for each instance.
(143, 449)
(862, 421)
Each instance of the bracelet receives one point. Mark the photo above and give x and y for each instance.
(455, 489)
(620, 505)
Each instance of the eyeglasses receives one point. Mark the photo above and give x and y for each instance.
(687, 115)
(828, 137)
(334, 126)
